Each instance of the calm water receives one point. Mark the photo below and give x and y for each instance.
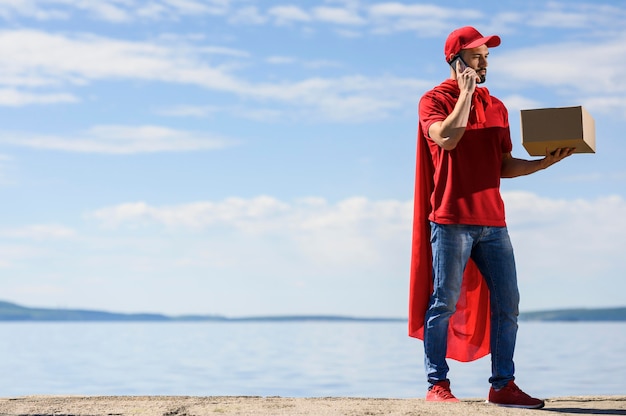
(290, 359)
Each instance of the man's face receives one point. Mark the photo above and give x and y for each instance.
(476, 58)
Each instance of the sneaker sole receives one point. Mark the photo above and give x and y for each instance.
(444, 401)
(517, 406)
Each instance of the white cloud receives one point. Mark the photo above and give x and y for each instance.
(31, 60)
(588, 235)
(357, 246)
(559, 19)
(31, 9)
(5, 165)
(352, 230)
(523, 209)
(11, 97)
(247, 15)
(265, 214)
(106, 11)
(39, 232)
(575, 16)
(193, 7)
(280, 60)
(35, 58)
(559, 243)
(348, 98)
(386, 17)
(11, 254)
(515, 103)
(236, 212)
(552, 65)
(257, 113)
(321, 63)
(382, 17)
(425, 19)
(606, 104)
(115, 139)
(349, 33)
(395, 9)
(314, 64)
(112, 11)
(338, 15)
(342, 16)
(289, 14)
(578, 230)
(266, 115)
(38, 59)
(260, 213)
(201, 111)
(595, 83)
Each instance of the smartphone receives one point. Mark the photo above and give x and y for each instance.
(456, 59)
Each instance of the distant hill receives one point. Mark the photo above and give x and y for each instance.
(13, 312)
(575, 315)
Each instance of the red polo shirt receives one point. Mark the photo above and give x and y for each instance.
(467, 178)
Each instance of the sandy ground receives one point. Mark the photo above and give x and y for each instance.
(188, 406)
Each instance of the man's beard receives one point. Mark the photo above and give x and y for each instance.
(483, 78)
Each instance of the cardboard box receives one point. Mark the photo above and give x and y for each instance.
(558, 127)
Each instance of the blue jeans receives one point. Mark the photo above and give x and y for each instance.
(491, 250)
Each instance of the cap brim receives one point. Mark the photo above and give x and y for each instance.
(490, 41)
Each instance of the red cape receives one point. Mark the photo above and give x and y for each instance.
(468, 333)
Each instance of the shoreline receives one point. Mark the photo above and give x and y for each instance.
(256, 405)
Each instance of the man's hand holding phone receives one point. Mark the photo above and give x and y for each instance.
(458, 64)
(466, 77)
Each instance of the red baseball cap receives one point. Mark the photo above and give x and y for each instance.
(466, 38)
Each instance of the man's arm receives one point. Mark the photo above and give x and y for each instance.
(448, 133)
(513, 167)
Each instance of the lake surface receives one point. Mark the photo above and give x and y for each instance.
(290, 359)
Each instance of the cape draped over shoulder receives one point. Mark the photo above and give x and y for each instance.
(468, 332)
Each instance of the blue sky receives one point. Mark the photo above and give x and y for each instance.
(245, 157)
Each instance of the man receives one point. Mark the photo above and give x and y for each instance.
(464, 296)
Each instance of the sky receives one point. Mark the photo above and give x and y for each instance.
(247, 157)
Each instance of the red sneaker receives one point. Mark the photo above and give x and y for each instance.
(440, 392)
(512, 396)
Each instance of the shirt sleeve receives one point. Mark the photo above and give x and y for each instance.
(431, 110)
